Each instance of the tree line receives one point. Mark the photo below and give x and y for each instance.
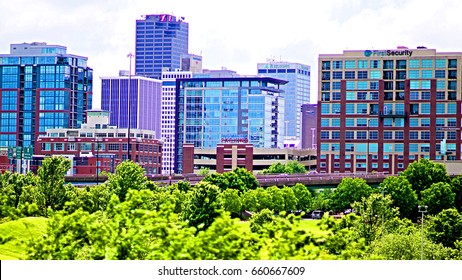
(130, 217)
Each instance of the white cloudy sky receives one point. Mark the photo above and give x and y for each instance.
(235, 34)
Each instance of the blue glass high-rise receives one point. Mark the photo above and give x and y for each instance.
(296, 91)
(161, 40)
(41, 87)
(228, 110)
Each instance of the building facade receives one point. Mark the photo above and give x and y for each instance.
(309, 126)
(161, 40)
(227, 157)
(380, 110)
(168, 117)
(98, 146)
(296, 91)
(191, 62)
(41, 87)
(211, 111)
(145, 101)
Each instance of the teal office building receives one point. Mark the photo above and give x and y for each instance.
(211, 111)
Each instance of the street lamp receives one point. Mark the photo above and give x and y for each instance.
(129, 157)
(422, 209)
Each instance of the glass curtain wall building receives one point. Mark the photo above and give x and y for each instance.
(228, 110)
(41, 87)
(161, 40)
(380, 110)
(145, 101)
(296, 91)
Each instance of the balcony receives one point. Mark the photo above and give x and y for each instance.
(393, 114)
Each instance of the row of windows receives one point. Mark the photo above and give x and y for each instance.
(374, 148)
(396, 96)
(388, 109)
(389, 75)
(413, 122)
(273, 71)
(389, 64)
(398, 85)
(97, 147)
(387, 135)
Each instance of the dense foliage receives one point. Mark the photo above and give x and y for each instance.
(291, 167)
(130, 217)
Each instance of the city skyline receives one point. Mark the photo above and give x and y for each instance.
(236, 38)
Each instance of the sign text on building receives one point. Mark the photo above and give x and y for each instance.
(388, 53)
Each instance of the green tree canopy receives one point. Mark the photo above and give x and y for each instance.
(437, 197)
(51, 181)
(304, 197)
(348, 191)
(423, 173)
(456, 184)
(239, 179)
(231, 201)
(402, 194)
(445, 227)
(203, 206)
(128, 175)
(289, 168)
(375, 212)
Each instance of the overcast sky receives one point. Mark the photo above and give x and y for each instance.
(235, 34)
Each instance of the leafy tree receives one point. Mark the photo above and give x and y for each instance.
(293, 167)
(225, 239)
(275, 168)
(51, 181)
(402, 194)
(277, 199)
(375, 212)
(249, 180)
(183, 186)
(249, 200)
(203, 206)
(348, 191)
(343, 242)
(177, 194)
(128, 175)
(401, 246)
(423, 173)
(290, 200)
(11, 185)
(437, 197)
(289, 168)
(231, 201)
(239, 179)
(445, 227)
(31, 195)
(95, 198)
(322, 199)
(204, 171)
(303, 195)
(259, 219)
(456, 184)
(122, 232)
